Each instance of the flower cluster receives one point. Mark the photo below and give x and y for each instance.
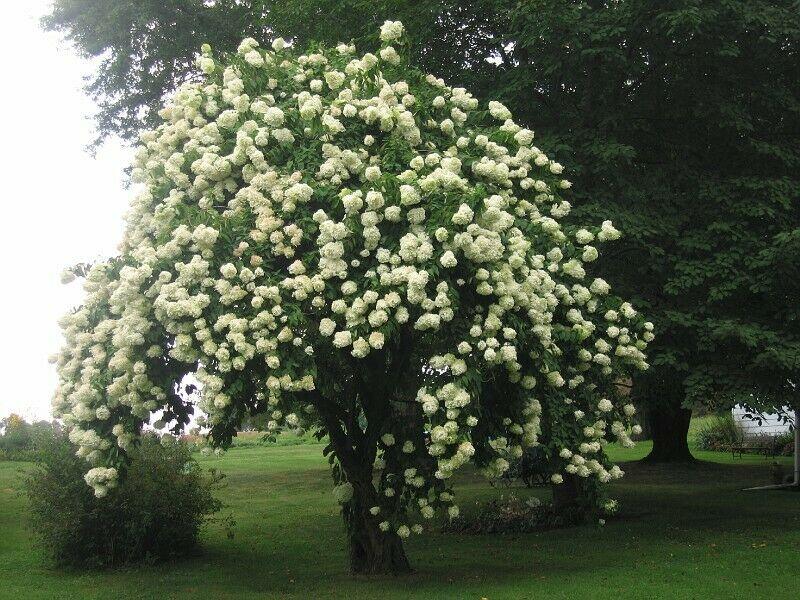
(306, 216)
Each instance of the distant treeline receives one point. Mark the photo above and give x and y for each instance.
(19, 440)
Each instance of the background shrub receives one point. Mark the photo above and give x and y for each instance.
(785, 443)
(513, 515)
(155, 513)
(718, 433)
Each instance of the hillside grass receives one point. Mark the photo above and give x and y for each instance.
(686, 532)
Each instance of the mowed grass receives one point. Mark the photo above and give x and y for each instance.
(682, 533)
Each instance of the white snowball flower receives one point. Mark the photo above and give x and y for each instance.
(605, 405)
(342, 339)
(327, 327)
(499, 111)
(376, 340)
(448, 260)
(343, 493)
(391, 31)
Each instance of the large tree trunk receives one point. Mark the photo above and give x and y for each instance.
(669, 424)
(372, 551)
(643, 418)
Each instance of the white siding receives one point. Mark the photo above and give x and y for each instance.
(770, 424)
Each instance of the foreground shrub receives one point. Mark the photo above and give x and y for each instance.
(154, 514)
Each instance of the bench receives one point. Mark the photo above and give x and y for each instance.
(768, 448)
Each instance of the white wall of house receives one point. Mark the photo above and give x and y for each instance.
(770, 424)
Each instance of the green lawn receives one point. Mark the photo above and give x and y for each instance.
(682, 533)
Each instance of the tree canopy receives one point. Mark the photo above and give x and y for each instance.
(355, 248)
(145, 49)
(679, 121)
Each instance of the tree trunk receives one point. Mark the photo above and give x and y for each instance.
(574, 499)
(372, 551)
(566, 495)
(643, 419)
(669, 425)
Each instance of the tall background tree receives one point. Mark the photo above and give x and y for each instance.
(145, 49)
(680, 120)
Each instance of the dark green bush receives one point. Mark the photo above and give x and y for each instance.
(155, 513)
(513, 515)
(718, 434)
(721, 432)
(533, 468)
(781, 444)
(785, 443)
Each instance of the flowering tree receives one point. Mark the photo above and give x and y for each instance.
(356, 248)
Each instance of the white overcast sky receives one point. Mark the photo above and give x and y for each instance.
(60, 205)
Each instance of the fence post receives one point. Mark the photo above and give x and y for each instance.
(797, 447)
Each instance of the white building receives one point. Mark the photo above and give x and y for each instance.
(770, 424)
